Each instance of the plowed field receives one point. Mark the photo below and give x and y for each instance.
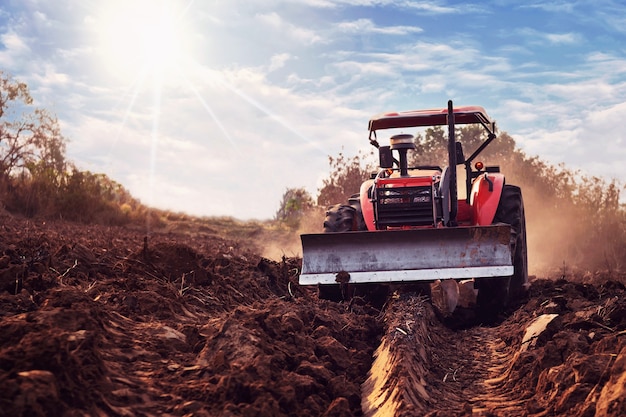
(105, 321)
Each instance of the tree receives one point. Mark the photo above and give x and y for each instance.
(35, 178)
(29, 137)
(295, 202)
(430, 148)
(346, 177)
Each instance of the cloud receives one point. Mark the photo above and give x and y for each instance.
(562, 38)
(559, 6)
(588, 140)
(288, 30)
(41, 19)
(603, 120)
(51, 77)
(278, 61)
(13, 44)
(535, 37)
(434, 7)
(616, 21)
(362, 26)
(521, 112)
(608, 15)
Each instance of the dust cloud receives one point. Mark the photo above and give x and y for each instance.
(560, 241)
(287, 243)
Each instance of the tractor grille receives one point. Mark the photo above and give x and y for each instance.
(405, 206)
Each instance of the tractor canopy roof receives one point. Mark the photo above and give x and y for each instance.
(432, 117)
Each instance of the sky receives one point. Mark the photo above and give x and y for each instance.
(217, 107)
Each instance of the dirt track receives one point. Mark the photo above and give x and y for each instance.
(555, 355)
(100, 321)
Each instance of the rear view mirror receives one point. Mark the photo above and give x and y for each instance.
(385, 157)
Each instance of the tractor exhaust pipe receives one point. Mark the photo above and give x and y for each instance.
(452, 167)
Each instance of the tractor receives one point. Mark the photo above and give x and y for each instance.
(407, 225)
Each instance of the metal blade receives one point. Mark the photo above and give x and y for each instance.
(406, 255)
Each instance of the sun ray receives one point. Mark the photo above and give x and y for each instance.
(154, 138)
(272, 115)
(134, 88)
(210, 111)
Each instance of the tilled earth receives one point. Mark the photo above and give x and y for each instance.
(107, 321)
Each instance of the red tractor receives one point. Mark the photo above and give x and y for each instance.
(408, 226)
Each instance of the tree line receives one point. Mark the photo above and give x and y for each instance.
(36, 179)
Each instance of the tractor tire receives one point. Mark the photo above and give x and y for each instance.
(495, 294)
(340, 218)
(518, 287)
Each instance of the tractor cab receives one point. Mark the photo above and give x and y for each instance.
(424, 196)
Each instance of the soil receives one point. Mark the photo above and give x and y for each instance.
(106, 321)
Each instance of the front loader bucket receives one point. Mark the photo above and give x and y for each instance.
(393, 256)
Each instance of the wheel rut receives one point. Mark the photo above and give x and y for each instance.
(493, 360)
(423, 367)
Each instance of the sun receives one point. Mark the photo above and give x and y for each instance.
(140, 38)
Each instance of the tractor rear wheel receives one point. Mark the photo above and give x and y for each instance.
(495, 294)
(519, 281)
